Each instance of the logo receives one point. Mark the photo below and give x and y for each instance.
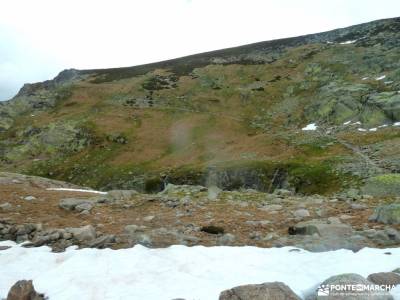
(323, 290)
(353, 289)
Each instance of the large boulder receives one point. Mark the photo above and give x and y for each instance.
(264, 291)
(83, 234)
(24, 290)
(323, 229)
(332, 289)
(387, 214)
(318, 236)
(76, 204)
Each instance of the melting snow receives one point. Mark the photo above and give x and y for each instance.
(373, 129)
(396, 124)
(347, 123)
(77, 190)
(348, 42)
(311, 126)
(365, 78)
(198, 272)
(362, 129)
(380, 77)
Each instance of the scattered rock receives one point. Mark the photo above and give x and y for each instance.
(148, 218)
(301, 213)
(4, 248)
(132, 229)
(392, 234)
(84, 207)
(264, 291)
(142, 239)
(102, 241)
(6, 207)
(73, 203)
(29, 198)
(24, 290)
(226, 239)
(384, 278)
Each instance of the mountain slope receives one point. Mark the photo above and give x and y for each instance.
(230, 117)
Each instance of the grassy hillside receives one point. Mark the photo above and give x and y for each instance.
(231, 117)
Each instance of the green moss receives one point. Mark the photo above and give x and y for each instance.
(314, 178)
(388, 178)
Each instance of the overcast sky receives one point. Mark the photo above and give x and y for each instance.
(40, 38)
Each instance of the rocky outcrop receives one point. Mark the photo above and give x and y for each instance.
(383, 185)
(387, 214)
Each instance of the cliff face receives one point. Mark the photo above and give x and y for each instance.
(231, 117)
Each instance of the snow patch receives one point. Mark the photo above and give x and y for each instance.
(198, 272)
(396, 124)
(347, 123)
(348, 42)
(380, 77)
(373, 129)
(311, 126)
(361, 129)
(365, 78)
(77, 190)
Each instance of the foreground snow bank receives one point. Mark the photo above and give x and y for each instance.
(178, 271)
